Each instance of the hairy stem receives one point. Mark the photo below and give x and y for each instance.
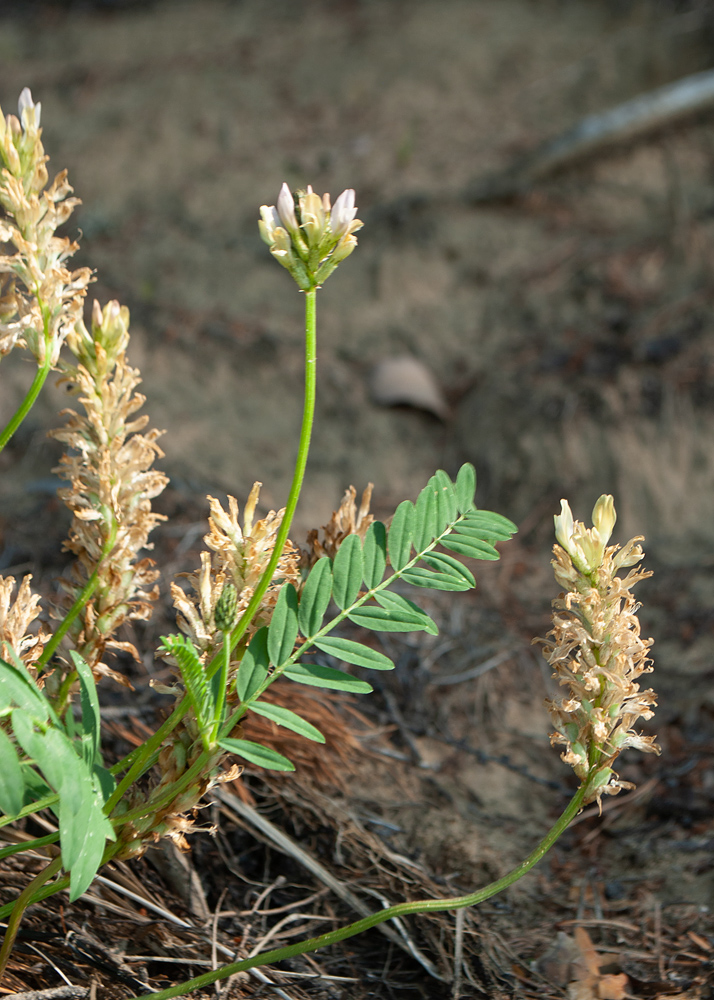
(400, 910)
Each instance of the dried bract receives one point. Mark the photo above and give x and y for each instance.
(16, 617)
(348, 519)
(596, 650)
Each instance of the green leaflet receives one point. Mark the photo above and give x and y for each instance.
(315, 597)
(12, 786)
(442, 561)
(421, 577)
(465, 487)
(325, 677)
(383, 620)
(399, 542)
(283, 628)
(347, 568)
(445, 498)
(401, 607)
(354, 652)
(91, 716)
(471, 547)
(256, 753)
(426, 518)
(291, 720)
(374, 554)
(254, 666)
(490, 521)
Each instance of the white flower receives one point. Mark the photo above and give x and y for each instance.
(25, 105)
(286, 209)
(343, 212)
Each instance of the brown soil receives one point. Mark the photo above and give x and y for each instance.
(570, 330)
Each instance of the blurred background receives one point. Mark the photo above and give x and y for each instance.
(559, 337)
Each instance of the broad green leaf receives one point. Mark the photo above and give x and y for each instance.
(442, 561)
(354, 652)
(91, 716)
(12, 786)
(17, 689)
(291, 720)
(445, 499)
(400, 535)
(425, 518)
(421, 577)
(490, 521)
(254, 666)
(90, 844)
(347, 568)
(325, 677)
(315, 597)
(374, 554)
(104, 781)
(402, 607)
(471, 547)
(466, 487)
(283, 628)
(36, 788)
(256, 753)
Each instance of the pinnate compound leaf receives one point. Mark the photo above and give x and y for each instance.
(291, 720)
(89, 700)
(254, 666)
(256, 753)
(315, 597)
(466, 487)
(426, 518)
(12, 785)
(403, 608)
(193, 674)
(472, 547)
(325, 677)
(347, 569)
(400, 535)
(419, 576)
(354, 652)
(374, 554)
(283, 628)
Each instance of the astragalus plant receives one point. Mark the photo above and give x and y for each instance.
(257, 607)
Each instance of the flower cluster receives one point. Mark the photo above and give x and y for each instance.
(237, 558)
(112, 483)
(40, 299)
(596, 650)
(307, 235)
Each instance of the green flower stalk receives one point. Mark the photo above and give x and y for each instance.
(596, 650)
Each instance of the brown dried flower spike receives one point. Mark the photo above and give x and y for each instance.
(596, 650)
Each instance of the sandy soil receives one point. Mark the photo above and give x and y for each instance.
(569, 330)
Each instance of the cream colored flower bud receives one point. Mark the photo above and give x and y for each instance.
(604, 517)
(312, 217)
(286, 209)
(343, 212)
(564, 526)
(28, 112)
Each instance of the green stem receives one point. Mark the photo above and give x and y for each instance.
(400, 910)
(29, 845)
(28, 402)
(308, 416)
(143, 752)
(19, 907)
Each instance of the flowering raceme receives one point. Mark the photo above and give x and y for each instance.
(596, 649)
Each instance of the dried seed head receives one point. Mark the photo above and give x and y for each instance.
(596, 650)
(307, 236)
